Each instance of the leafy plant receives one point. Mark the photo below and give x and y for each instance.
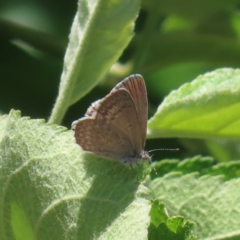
(51, 189)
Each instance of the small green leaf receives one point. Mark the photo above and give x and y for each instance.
(165, 227)
(158, 213)
(207, 107)
(175, 223)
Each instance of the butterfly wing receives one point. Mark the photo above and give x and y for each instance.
(135, 85)
(118, 109)
(117, 115)
(93, 109)
(102, 139)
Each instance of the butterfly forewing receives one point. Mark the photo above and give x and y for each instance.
(137, 89)
(118, 109)
(93, 109)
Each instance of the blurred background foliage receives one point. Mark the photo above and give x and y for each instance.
(174, 42)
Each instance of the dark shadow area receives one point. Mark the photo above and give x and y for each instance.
(113, 190)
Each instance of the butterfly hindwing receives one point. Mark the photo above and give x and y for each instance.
(100, 138)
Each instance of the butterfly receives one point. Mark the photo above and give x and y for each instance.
(115, 126)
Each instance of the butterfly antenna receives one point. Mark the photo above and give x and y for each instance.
(164, 149)
(161, 149)
(131, 166)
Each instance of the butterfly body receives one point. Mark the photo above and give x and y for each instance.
(115, 126)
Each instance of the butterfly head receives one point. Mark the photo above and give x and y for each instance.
(145, 156)
(135, 159)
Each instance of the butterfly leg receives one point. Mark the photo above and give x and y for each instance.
(131, 166)
(137, 164)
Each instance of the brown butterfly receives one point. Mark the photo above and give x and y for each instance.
(115, 126)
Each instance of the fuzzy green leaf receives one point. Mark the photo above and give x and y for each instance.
(210, 200)
(50, 189)
(100, 32)
(206, 108)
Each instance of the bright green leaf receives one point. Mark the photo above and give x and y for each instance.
(165, 227)
(100, 32)
(175, 223)
(206, 108)
(158, 213)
